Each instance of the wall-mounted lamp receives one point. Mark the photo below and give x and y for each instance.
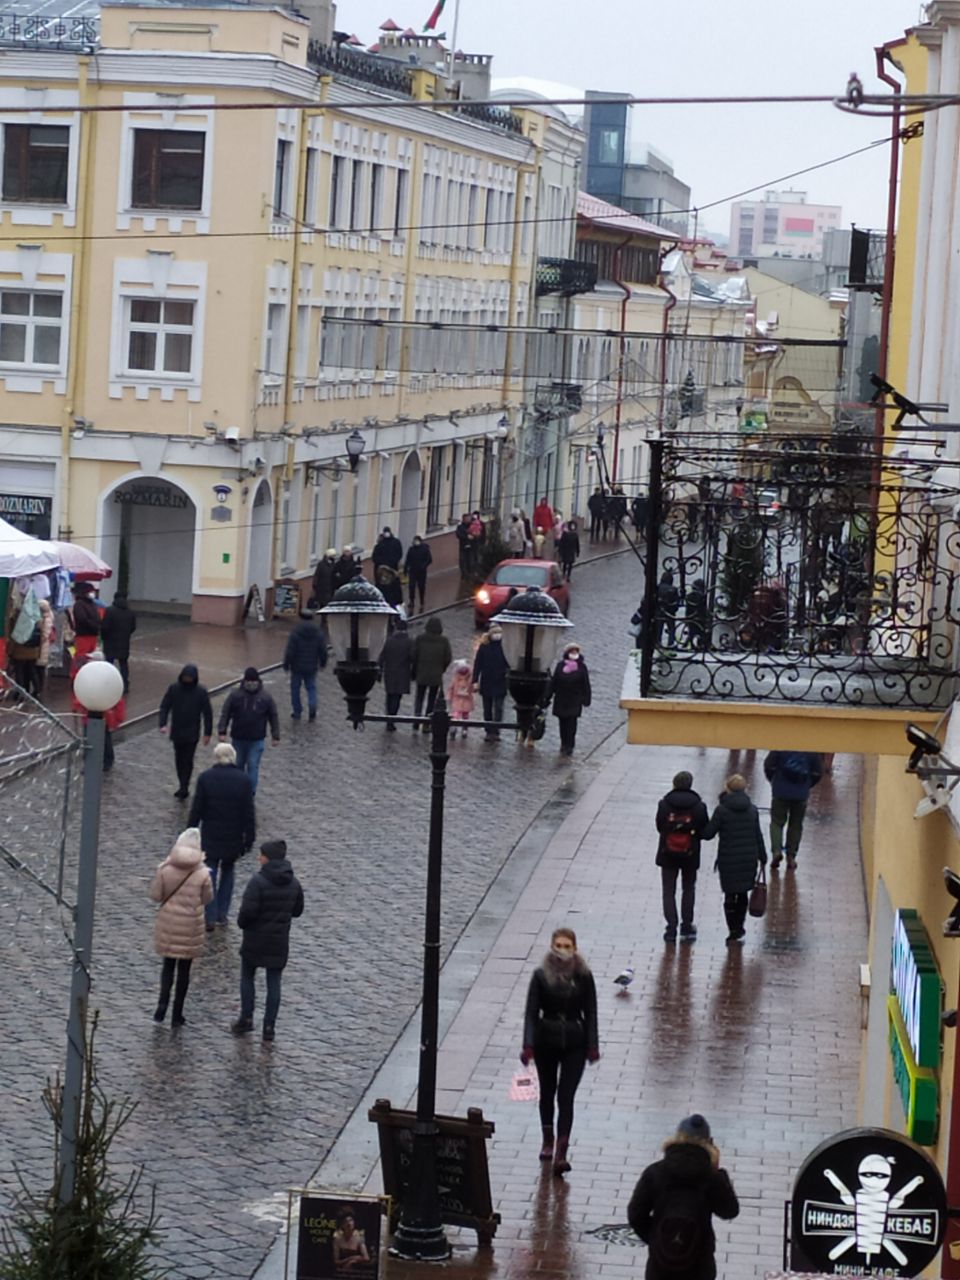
(355, 445)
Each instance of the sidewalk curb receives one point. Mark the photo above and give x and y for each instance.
(354, 1153)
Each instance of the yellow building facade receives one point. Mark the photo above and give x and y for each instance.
(220, 257)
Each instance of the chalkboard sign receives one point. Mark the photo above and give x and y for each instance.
(339, 1236)
(462, 1172)
(286, 599)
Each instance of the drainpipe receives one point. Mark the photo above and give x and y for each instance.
(73, 399)
(623, 343)
(672, 302)
(883, 55)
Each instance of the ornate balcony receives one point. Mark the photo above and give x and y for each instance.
(565, 276)
(362, 68)
(800, 578)
(498, 117)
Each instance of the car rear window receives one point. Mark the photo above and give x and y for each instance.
(520, 575)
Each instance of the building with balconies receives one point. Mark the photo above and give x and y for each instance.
(230, 245)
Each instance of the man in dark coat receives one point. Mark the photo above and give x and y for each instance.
(740, 851)
(224, 811)
(431, 657)
(345, 569)
(118, 625)
(673, 1204)
(466, 545)
(186, 704)
(792, 776)
(568, 548)
(681, 817)
(668, 604)
(272, 899)
(323, 579)
(304, 656)
(697, 615)
(419, 558)
(599, 516)
(246, 713)
(388, 551)
(84, 617)
(490, 669)
(396, 659)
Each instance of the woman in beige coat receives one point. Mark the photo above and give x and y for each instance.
(183, 887)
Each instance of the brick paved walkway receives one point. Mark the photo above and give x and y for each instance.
(224, 1126)
(764, 1039)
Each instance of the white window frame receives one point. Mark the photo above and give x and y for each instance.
(31, 323)
(181, 113)
(161, 329)
(156, 276)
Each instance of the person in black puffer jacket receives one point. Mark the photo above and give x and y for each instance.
(118, 625)
(418, 561)
(740, 851)
(674, 1201)
(304, 656)
(247, 712)
(186, 704)
(681, 817)
(272, 899)
(224, 811)
(560, 1035)
(570, 691)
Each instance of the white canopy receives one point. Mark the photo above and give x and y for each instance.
(21, 555)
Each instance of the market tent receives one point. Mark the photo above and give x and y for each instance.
(22, 555)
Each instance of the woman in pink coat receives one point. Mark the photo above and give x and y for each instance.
(182, 886)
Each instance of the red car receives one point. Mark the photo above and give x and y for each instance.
(511, 576)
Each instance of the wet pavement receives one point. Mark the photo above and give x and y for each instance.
(224, 1127)
(763, 1039)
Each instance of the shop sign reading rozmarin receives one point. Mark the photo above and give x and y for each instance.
(913, 1009)
(867, 1202)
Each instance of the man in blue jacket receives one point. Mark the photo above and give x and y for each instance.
(305, 655)
(792, 775)
(247, 713)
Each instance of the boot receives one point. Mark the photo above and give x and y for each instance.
(161, 1011)
(546, 1150)
(561, 1164)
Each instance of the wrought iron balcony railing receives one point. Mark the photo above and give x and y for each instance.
(808, 575)
(499, 117)
(76, 31)
(363, 68)
(565, 276)
(558, 397)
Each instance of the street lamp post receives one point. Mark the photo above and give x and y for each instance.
(357, 617)
(98, 686)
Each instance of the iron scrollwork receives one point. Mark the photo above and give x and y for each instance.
(815, 574)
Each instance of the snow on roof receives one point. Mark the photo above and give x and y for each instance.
(603, 214)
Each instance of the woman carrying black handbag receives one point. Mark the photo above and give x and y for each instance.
(740, 852)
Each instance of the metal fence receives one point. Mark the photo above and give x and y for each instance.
(810, 572)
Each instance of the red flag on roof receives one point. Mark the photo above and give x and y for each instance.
(431, 23)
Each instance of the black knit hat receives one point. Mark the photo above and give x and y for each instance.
(694, 1127)
(251, 673)
(275, 849)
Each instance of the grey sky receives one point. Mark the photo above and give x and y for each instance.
(700, 47)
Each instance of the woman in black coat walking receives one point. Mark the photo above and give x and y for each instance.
(490, 669)
(570, 691)
(396, 664)
(740, 851)
(560, 1035)
(568, 548)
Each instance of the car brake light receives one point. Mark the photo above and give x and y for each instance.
(483, 596)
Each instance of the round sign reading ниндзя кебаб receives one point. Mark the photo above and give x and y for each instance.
(867, 1202)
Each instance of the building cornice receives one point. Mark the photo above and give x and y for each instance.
(942, 13)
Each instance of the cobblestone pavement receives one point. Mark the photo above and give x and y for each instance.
(223, 1126)
(763, 1039)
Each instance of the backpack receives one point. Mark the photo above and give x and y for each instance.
(678, 1242)
(680, 831)
(795, 768)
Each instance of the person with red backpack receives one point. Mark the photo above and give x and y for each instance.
(681, 817)
(673, 1204)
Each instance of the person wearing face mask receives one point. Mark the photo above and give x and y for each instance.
(490, 669)
(186, 705)
(560, 1036)
(419, 558)
(570, 691)
(246, 713)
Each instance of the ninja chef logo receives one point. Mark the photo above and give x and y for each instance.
(867, 1202)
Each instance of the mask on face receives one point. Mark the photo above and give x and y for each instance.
(251, 686)
(573, 655)
(563, 950)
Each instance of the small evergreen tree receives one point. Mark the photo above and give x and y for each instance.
(742, 565)
(101, 1233)
(494, 550)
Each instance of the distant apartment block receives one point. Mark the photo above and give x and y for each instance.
(781, 225)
